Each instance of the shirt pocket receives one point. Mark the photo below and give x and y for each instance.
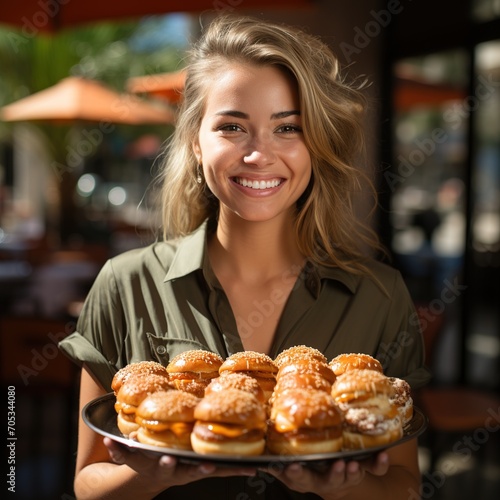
(164, 349)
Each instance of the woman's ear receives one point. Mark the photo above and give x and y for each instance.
(197, 151)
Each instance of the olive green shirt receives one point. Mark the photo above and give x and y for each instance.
(152, 303)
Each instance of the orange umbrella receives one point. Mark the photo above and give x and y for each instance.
(410, 92)
(35, 16)
(168, 86)
(76, 98)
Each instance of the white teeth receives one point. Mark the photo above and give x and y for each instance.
(258, 184)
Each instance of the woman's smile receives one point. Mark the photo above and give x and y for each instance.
(258, 185)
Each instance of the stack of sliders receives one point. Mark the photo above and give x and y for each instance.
(166, 419)
(133, 384)
(304, 417)
(255, 364)
(229, 422)
(191, 371)
(370, 419)
(231, 418)
(248, 404)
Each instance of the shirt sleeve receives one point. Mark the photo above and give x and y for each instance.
(401, 351)
(100, 330)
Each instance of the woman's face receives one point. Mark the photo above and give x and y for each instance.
(251, 144)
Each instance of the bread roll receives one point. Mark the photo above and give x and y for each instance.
(236, 381)
(303, 422)
(232, 422)
(166, 419)
(370, 419)
(298, 352)
(191, 371)
(307, 366)
(354, 361)
(132, 391)
(139, 367)
(254, 364)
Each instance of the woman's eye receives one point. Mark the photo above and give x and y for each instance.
(289, 129)
(230, 127)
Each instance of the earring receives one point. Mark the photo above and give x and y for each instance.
(199, 178)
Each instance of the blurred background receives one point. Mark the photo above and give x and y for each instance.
(88, 94)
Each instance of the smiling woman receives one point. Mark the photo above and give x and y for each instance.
(262, 251)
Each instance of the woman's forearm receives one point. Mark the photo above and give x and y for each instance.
(109, 481)
(397, 484)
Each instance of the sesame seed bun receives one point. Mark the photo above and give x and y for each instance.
(298, 352)
(191, 371)
(139, 367)
(304, 421)
(132, 392)
(354, 361)
(167, 419)
(231, 422)
(255, 364)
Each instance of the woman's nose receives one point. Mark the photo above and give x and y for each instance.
(260, 152)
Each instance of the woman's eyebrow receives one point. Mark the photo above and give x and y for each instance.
(285, 114)
(234, 113)
(274, 116)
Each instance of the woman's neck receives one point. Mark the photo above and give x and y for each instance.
(254, 251)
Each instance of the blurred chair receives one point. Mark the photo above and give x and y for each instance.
(45, 384)
(454, 411)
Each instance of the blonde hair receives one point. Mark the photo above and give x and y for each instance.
(327, 229)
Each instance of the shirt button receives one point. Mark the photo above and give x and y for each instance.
(161, 349)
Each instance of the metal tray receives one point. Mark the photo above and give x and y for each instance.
(100, 416)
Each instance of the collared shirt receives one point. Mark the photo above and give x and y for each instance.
(158, 301)
(153, 303)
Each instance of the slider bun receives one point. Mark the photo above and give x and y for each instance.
(140, 367)
(249, 361)
(230, 447)
(191, 386)
(132, 392)
(166, 419)
(286, 444)
(125, 425)
(298, 352)
(354, 361)
(305, 365)
(231, 422)
(356, 440)
(236, 380)
(231, 406)
(255, 364)
(311, 381)
(195, 364)
(167, 406)
(370, 418)
(306, 409)
(304, 421)
(355, 384)
(136, 388)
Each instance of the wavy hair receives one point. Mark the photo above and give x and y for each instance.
(327, 229)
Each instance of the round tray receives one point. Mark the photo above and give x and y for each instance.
(100, 415)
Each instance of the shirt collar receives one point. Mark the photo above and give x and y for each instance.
(314, 274)
(191, 255)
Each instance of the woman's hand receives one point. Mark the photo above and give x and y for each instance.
(336, 481)
(165, 471)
